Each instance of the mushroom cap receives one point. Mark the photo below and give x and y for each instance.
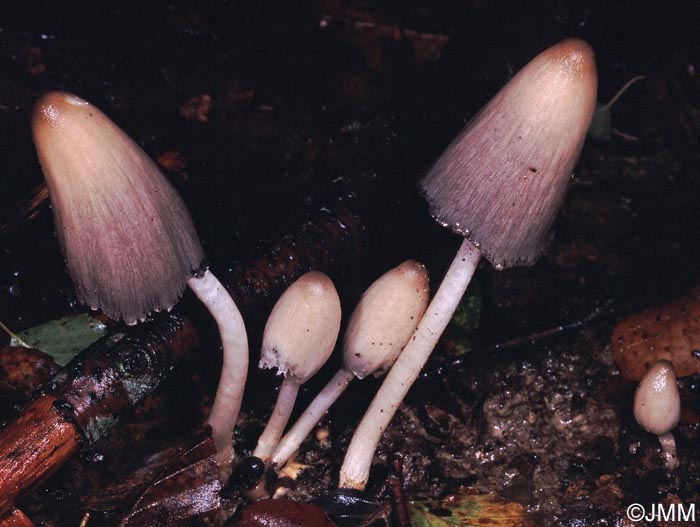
(502, 181)
(385, 318)
(657, 401)
(303, 327)
(126, 234)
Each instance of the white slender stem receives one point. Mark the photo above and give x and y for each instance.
(278, 420)
(311, 416)
(234, 369)
(668, 448)
(355, 470)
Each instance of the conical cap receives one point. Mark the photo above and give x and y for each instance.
(126, 234)
(503, 179)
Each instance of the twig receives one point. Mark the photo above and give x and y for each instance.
(14, 336)
(622, 90)
(539, 335)
(84, 401)
(532, 338)
(395, 482)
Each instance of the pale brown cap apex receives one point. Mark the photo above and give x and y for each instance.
(126, 234)
(503, 179)
(385, 318)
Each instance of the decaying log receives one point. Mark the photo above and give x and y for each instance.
(32, 448)
(84, 401)
(119, 371)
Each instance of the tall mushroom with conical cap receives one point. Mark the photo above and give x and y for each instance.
(127, 237)
(500, 184)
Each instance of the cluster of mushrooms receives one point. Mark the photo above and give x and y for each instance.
(131, 247)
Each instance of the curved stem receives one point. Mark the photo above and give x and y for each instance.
(278, 420)
(668, 448)
(311, 416)
(355, 470)
(234, 369)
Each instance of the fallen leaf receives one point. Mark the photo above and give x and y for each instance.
(352, 508)
(601, 123)
(26, 368)
(189, 491)
(485, 510)
(462, 328)
(63, 338)
(669, 331)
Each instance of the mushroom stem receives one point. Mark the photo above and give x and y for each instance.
(355, 470)
(234, 369)
(668, 449)
(280, 415)
(318, 407)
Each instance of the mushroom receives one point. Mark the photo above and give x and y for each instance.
(299, 336)
(128, 239)
(657, 407)
(500, 184)
(379, 328)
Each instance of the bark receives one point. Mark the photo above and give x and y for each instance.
(16, 518)
(85, 400)
(32, 448)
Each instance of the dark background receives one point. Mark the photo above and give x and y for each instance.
(311, 100)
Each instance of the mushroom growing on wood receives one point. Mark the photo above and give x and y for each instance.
(299, 336)
(657, 407)
(127, 237)
(379, 328)
(500, 184)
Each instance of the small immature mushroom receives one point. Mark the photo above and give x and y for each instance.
(379, 328)
(299, 336)
(500, 184)
(128, 238)
(657, 407)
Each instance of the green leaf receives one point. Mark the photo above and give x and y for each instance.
(465, 322)
(485, 510)
(63, 338)
(601, 124)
